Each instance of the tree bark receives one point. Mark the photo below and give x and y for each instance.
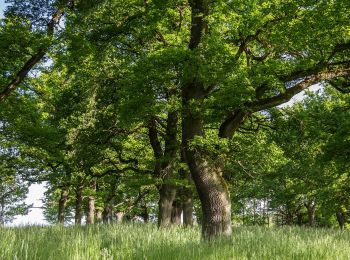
(98, 216)
(91, 205)
(167, 195)
(119, 216)
(187, 207)
(341, 219)
(214, 196)
(107, 215)
(176, 212)
(62, 204)
(163, 169)
(289, 218)
(311, 210)
(145, 214)
(207, 175)
(79, 204)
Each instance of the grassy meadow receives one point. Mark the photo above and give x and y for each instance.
(136, 241)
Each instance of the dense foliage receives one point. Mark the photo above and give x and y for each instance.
(169, 110)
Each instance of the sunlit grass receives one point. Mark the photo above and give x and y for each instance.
(147, 242)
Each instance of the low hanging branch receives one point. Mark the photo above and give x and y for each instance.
(36, 58)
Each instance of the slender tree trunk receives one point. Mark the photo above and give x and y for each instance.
(145, 214)
(2, 212)
(176, 212)
(289, 218)
(106, 215)
(79, 204)
(187, 207)
(119, 216)
(165, 159)
(99, 218)
(311, 210)
(91, 205)
(167, 195)
(299, 219)
(186, 196)
(341, 219)
(62, 204)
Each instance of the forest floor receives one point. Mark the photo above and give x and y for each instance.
(140, 241)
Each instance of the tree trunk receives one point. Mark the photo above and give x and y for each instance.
(311, 210)
(206, 170)
(299, 218)
(167, 195)
(62, 204)
(176, 212)
(187, 205)
(99, 218)
(289, 218)
(145, 214)
(79, 204)
(106, 215)
(341, 219)
(119, 216)
(91, 205)
(2, 212)
(163, 169)
(214, 196)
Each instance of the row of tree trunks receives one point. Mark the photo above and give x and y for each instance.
(171, 210)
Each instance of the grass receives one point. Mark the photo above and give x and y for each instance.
(137, 241)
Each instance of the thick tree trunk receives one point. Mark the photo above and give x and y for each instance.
(206, 171)
(79, 204)
(176, 212)
(62, 204)
(167, 195)
(91, 205)
(214, 196)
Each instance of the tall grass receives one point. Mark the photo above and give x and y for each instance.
(147, 242)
